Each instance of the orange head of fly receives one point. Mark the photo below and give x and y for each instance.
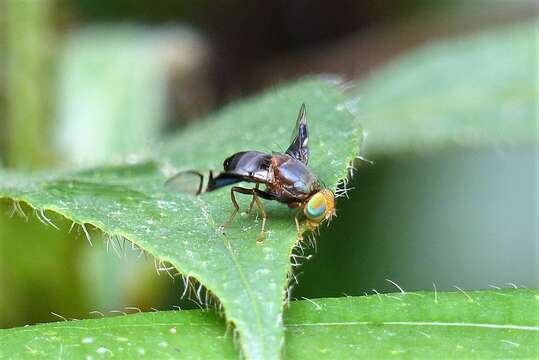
(319, 207)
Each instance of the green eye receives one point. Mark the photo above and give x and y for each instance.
(316, 207)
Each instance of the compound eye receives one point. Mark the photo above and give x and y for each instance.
(316, 207)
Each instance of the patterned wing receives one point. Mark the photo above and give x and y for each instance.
(195, 183)
(299, 148)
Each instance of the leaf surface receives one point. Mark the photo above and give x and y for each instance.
(424, 325)
(130, 201)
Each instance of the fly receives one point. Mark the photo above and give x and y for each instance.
(285, 176)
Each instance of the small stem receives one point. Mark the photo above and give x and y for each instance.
(28, 43)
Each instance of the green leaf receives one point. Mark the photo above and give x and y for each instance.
(131, 202)
(476, 91)
(426, 325)
(477, 324)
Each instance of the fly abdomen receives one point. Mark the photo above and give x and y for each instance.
(249, 166)
(247, 163)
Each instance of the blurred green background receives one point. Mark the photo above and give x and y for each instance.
(85, 82)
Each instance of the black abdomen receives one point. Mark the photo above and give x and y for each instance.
(249, 164)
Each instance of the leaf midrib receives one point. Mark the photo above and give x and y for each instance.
(419, 323)
(226, 242)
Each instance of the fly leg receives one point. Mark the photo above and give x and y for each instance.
(257, 194)
(235, 203)
(298, 227)
(256, 199)
(252, 201)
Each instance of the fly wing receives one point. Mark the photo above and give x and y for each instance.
(299, 148)
(190, 182)
(195, 183)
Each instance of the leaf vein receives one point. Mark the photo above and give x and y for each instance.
(421, 323)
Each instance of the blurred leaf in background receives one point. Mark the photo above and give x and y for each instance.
(477, 91)
(29, 43)
(38, 271)
(28, 47)
(451, 197)
(121, 87)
